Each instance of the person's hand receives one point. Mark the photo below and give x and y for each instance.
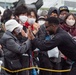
(30, 34)
(23, 33)
(36, 28)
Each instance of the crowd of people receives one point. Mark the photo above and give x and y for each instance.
(47, 40)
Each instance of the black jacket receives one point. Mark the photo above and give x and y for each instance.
(62, 40)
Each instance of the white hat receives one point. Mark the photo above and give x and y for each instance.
(10, 25)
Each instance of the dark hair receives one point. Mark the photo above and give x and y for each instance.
(68, 16)
(32, 10)
(6, 15)
(22, 9)
(53, 20)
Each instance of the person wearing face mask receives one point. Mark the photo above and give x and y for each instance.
(70, 24)
(30, 21)
(41, 20)
(25, 18)
(32, 18)
(15, 50)
(21, 15)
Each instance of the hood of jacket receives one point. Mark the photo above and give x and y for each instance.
(51, 10)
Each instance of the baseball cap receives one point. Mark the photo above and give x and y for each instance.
(53, 20)
(63, 8)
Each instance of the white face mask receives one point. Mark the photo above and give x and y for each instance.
(31, 21)
(23, 18)
(70, 22)
(41, 22)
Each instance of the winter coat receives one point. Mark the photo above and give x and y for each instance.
(42, 35)
(62, 40)
(13, 46)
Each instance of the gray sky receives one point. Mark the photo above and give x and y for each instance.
(8, 0)
(30, 1)
(47, 3)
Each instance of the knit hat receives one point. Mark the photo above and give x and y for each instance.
(10, 25)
